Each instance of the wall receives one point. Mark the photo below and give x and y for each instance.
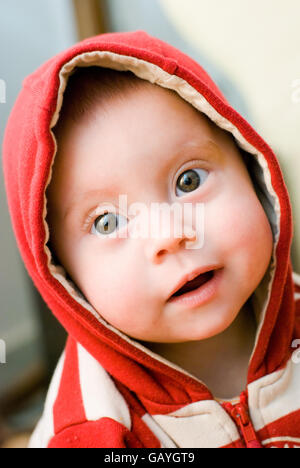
(256, 44)
(31, 31)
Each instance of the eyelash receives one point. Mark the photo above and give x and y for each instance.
(94, 214)
(88, 223)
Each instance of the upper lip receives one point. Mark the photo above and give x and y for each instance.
(191, 275)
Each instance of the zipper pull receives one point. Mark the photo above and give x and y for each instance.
(240, 415)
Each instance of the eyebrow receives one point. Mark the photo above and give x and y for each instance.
(85, 196)
(209, 149)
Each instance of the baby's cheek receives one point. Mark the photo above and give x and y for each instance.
(227, 225)
(255, 229)
(117, 297)
(241, 224)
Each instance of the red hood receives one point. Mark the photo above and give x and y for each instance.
(28, 154)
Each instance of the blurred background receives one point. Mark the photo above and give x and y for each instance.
(249, 47)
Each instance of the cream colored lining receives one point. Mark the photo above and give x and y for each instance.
(260, 171)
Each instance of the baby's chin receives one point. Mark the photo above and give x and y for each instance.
(212, 325)
(202, 335)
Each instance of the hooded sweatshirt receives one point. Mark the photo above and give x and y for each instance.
(108, 390)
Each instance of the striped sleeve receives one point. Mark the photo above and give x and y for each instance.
(86, 408)
(83, 407)
(105, 433)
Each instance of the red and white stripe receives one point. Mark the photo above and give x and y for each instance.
(83, 395)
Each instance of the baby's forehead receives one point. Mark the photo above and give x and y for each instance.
(86, 98)
(91, 90)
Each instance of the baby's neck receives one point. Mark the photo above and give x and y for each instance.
(221, 362)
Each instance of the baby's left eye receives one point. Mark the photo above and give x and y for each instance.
(190, 180)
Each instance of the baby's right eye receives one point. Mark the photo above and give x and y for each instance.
(107, 223)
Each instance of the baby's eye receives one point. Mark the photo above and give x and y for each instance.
(107, 223)
(190, 180)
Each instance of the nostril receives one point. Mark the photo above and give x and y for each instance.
(161, 253)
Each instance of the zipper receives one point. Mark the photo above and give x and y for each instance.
(240, 414)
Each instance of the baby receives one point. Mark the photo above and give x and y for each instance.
(119, 135)
(176, 334)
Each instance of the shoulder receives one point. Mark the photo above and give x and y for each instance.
(80, 392)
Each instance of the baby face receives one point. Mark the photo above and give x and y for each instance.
(155, 147)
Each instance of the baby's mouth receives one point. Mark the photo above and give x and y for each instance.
(194, 284)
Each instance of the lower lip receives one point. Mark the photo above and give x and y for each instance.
(201, 295)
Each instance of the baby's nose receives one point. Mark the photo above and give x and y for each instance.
(158, 248)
